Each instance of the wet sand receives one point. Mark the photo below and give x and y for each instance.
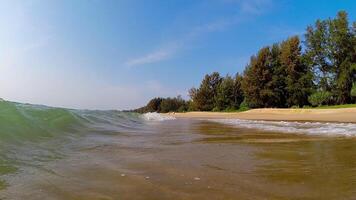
(319, 115)
(196, 159)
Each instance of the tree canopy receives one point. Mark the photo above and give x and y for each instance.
(319, 70)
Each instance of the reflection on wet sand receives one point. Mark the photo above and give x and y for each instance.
(193, 159)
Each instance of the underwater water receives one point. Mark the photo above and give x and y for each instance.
(55, 153)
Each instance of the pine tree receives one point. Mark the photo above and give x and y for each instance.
(341, 49)
(225, 94)
(353, 55)
(317, 53)
(238, 93)
(257, 84)
(204, 97)
(278, 78)
(282, 75)
(298, 83)
(330, 47)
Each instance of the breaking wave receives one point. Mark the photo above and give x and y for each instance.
(153, 116)
(313, 128)
(28, 122)
(31, 135)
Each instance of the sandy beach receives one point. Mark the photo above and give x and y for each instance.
(321, 115)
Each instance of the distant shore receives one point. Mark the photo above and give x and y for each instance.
(346, 115)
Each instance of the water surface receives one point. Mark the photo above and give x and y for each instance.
(51, 153)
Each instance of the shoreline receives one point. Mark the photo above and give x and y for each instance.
(340, 115)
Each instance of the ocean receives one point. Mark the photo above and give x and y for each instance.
(56, 153)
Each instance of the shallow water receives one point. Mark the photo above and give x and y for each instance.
(112, 155)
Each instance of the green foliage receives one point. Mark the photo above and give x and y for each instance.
(152, 106)
(316, 51)
(217, 93)
(173, 105)
(282, 75)
(279, 75)
(331, 48)
(238, 92)
(353, 90)
(164, 105)
(191, 106)
(244, 106)
(257, 80)
(319, 98)
(204, 97)
(297, 81)
(183, 108)
(225, 94)
(216, 109)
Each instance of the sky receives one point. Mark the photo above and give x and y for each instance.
(103, 54)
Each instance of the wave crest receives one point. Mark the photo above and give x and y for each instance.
(153, 116)
(312, 128)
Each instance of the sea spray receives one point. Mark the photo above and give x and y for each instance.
(153, 116)
(312, 128)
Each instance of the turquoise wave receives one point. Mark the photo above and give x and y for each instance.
(33, 134)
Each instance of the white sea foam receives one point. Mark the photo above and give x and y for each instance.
(315, 128)
(153, 116)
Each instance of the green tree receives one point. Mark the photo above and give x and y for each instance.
(193, 104)
(204, 97)
(257, 82)
(282, 75)
(354, 50)
(173, 105)
(164, 105)
(353, 91)
(330, 46)
(317, 53)
(153, 105)
(225, 98)
(278, 78)
(353, 60)
(238, 93)
(319, 98)
(341, 50)
(298, 79)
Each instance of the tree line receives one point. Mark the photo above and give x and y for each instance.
(164, 105)
(321, 70)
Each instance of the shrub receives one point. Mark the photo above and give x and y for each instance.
(216, 109)
(244, 106)
(353, 90)
(319, 98)
(230, 109)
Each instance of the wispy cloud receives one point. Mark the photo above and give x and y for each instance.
(155, 56)
(168, 51)
(251, 6)
(246, 7)
(255, 6)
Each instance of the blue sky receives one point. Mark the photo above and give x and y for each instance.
(101, 54)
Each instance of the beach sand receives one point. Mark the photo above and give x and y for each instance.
(321, 115)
